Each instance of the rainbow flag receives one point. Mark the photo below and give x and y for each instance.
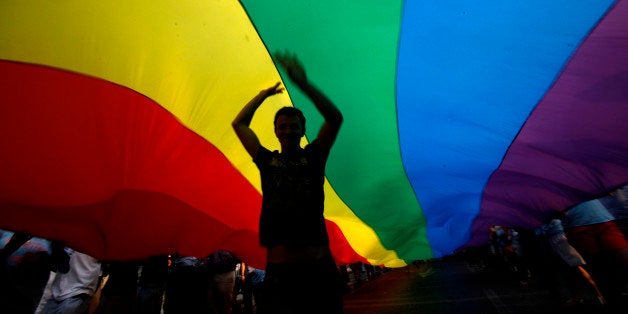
(116, 137)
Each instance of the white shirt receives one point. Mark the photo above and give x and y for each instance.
(82, 277)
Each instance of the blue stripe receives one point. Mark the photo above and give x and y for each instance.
(469, 74)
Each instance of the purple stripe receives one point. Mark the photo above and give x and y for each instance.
(574, 146)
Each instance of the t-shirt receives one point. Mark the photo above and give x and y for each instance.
(587, 213)
(293, 197)
(82, 277)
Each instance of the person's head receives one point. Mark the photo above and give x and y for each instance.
(289, 127)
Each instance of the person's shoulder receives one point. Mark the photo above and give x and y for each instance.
(264, 153)
(593, 204)
(315, 145)
(315, 149)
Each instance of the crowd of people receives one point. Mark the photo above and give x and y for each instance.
(76, 283)
(578, 252)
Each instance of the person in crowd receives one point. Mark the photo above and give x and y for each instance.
(356, 271)
(370, 271)
(554, 236)
(292, 225)
(345, 278)
(152, 284)
(250, 284)
(616, 202)
(499, 245)
(25, 265)
(119, 293)
(592, 231)
(221, 267)
(186, 286)
(71, 293)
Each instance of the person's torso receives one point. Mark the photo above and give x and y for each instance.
(293, 197)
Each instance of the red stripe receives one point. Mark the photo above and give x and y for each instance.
(340, 248)
(124, 167)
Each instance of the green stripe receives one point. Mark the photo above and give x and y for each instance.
(350, 52)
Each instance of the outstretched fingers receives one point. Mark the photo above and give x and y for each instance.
(273, 90)
(293, 66)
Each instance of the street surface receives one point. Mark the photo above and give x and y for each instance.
(452, 285)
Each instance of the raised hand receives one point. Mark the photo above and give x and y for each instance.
(273, 90)
(293, 66)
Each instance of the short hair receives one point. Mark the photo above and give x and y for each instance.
(290, 112)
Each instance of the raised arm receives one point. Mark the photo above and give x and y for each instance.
(333, 117)
(241, 123)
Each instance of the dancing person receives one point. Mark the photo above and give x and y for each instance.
(292, 225)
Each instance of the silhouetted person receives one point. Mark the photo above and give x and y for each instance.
(221, 267)
(292, 226)
(591, 229)
(25, 265)
(120, 291)
(152, 285)
(555, 237)
(186, 288)
(71, 293)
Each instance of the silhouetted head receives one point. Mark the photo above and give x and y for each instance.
(289, 127)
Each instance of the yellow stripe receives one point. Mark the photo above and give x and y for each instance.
(201, 60)
(360, 236)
